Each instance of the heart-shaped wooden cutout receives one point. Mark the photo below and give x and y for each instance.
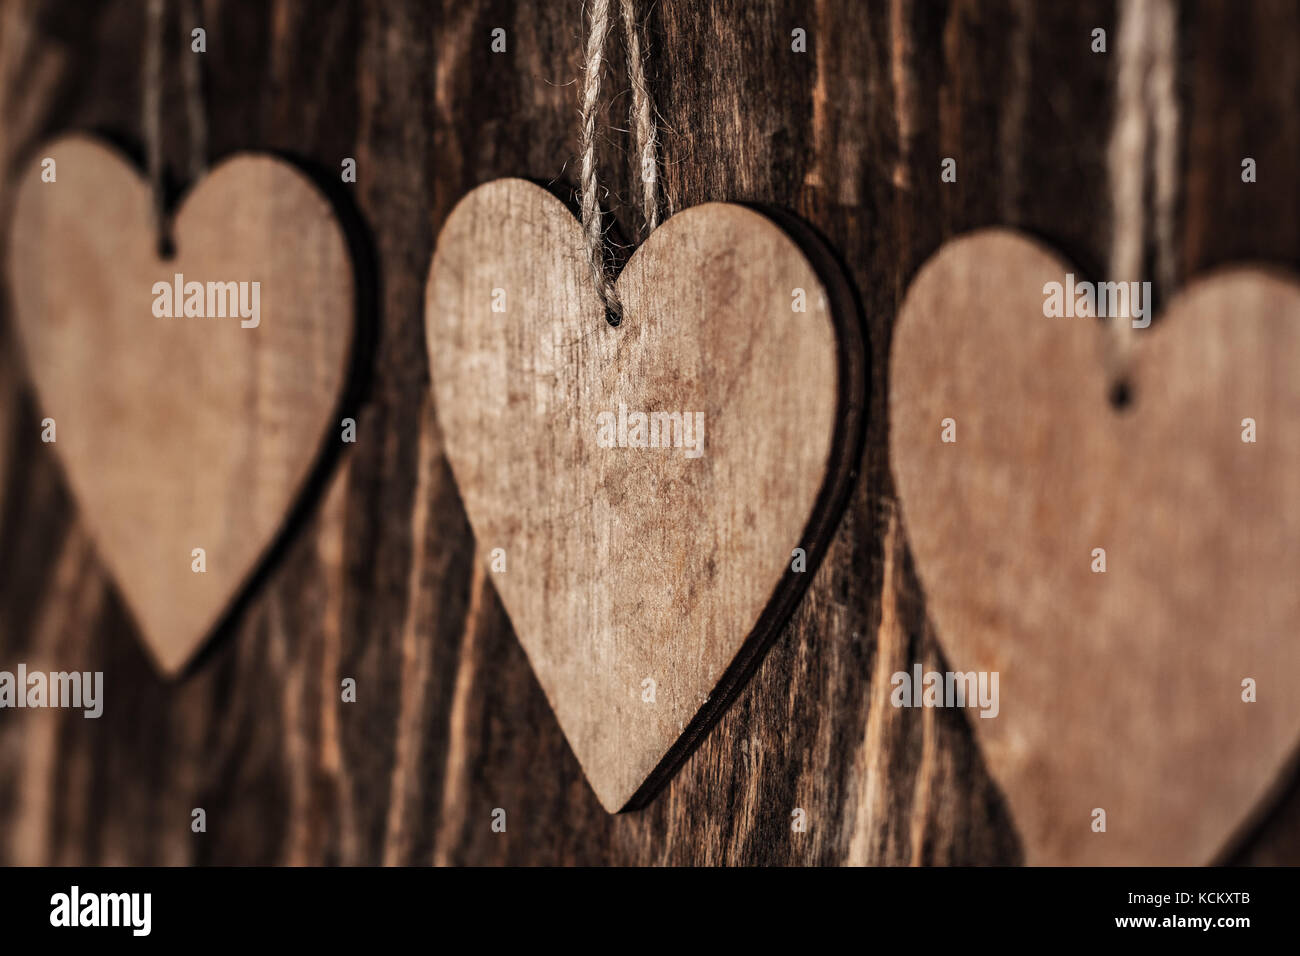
(643, 582)
(188, 432)
(1120, 690)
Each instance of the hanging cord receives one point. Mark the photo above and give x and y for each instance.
(1163, 101)
(196, 116)
(643, 120)
(644, 134)
(152, 118)
(1146, 108)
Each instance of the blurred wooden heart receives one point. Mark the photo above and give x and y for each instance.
(187, 432)
(643, 582)
(1120, 690)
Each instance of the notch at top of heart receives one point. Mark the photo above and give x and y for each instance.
(191, 396)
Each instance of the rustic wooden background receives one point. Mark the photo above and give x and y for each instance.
(379, 582)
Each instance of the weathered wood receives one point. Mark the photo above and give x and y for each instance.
(639, 493)
(194, 393)
(379, 584)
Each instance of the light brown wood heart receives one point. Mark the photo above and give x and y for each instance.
(1120, 690)
(186, 432)
(643, 582)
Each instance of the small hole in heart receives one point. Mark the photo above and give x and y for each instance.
(613, 318)
(1121, 396)
(166, 248)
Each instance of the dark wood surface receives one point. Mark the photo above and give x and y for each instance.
(378, 580)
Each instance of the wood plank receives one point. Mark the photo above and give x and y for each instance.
(848, 136)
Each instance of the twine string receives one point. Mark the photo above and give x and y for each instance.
(152, 118)
(644, 136)
(1145, 125)
(643, 121)
(196, 116)
(192, 76)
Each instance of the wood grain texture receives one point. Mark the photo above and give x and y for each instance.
(380, 583)
(1120, 688)
(639, 492)
(190, 396)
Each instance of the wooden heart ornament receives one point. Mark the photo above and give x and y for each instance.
(1162, 689)
(190, 396)
(639, 492)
